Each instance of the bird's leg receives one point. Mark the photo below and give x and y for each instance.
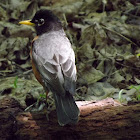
(47, 113)
(46, 96)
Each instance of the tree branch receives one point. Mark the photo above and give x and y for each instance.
(106, 119)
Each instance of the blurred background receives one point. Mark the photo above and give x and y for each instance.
(104, 34)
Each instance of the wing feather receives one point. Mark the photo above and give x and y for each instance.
(56, 62)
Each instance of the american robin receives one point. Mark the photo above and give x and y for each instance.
(53, 63)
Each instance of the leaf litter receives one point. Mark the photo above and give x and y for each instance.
(105, 37)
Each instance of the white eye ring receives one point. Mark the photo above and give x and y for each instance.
(41, 22)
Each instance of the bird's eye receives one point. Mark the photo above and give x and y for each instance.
(40, 22)
(36, 21)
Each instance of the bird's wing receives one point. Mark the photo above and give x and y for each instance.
(55, 61)
(69, 71)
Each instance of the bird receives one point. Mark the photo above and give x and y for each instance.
(53, 64)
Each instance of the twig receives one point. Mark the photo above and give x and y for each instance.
(119, 35)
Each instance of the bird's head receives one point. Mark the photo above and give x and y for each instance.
(44, 21)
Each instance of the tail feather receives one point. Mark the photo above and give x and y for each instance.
(66, 108)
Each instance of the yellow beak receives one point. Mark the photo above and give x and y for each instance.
(27, 22)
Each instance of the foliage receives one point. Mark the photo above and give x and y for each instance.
(105, 37)
(138, 91)
(15, 82)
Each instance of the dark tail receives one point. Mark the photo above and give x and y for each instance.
(66, 108)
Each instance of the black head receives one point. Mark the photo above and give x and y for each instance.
(46, 21)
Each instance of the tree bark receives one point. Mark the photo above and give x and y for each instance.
(106, 119)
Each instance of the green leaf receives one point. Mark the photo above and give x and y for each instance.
(135, 87)
(138, 96)
(15, 82)
(120, 95)
(42, 96)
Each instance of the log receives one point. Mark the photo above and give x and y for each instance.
(105, 119)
